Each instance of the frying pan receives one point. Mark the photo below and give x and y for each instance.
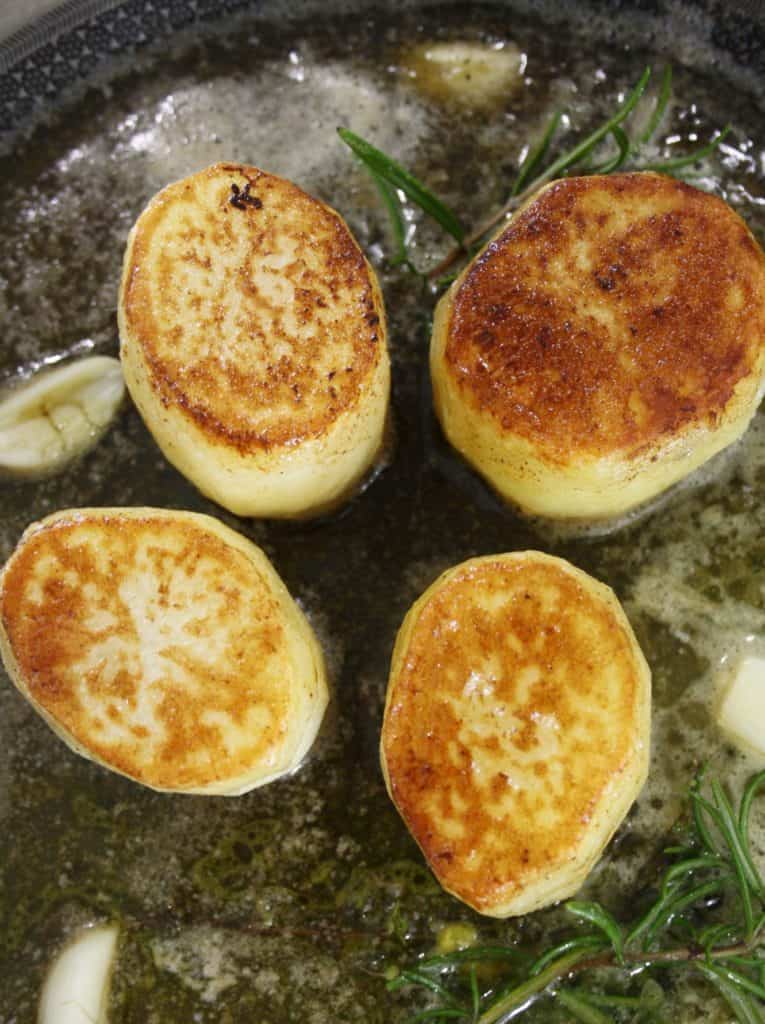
(282, 904)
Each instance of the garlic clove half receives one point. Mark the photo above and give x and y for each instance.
(76, 990)
(58, 415)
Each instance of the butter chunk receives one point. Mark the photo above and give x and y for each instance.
(741, 707)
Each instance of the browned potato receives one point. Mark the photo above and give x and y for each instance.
(516, 729)
(163, 646)
(607, 342)
(254, 342)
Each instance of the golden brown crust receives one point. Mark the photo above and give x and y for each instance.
(158, 647)
(517, 706)
(255, 311)
(611, 314)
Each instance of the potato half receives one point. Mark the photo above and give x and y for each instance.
(253, 342)
(163, 646)
(516, 728)
(608, 341)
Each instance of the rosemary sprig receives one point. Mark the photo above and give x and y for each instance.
(626, 153)
(386, 168)
(583, 150)
(708, 917)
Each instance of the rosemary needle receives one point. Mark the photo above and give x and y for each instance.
(393, 206)
(536, 154)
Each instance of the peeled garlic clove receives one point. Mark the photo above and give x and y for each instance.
(58, 415)
(473, 75)
(76, 990)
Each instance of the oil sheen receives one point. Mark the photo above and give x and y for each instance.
(288, 903)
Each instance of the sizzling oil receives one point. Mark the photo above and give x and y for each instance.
(282, 904)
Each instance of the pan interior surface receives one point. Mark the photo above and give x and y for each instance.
(290, 902)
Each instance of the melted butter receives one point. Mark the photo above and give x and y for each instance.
(687, 568)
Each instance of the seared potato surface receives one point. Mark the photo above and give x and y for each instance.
(607, 342)
(163, 646)
(516, 728)
(253, 340)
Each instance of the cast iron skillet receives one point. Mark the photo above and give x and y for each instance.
(290, 894)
